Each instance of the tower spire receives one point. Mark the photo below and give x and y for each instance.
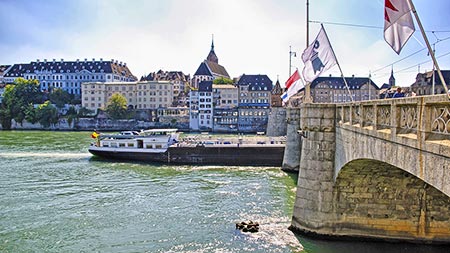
(212, 55)
(392, 78)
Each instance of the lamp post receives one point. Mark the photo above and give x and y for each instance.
(290, 59)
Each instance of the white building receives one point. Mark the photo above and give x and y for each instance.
(201, 107)
(69, 75)
(139, 95)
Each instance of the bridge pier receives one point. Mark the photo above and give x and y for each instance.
(291, 159)
(313, 204)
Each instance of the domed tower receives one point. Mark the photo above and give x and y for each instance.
(212, 55)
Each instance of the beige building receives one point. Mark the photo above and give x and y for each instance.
(333, 89)
(139, 95)
(225, 96)
(424, 83)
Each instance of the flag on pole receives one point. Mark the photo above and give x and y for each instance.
(293, 85)
(398, 23)
(94, 135)
(318, 57)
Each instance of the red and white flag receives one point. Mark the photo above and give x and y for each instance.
(398, 23)
(293, 85)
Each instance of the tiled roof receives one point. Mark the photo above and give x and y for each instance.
(255, 81)
(203, 70)
(217, 69)
(18, 70)
(205, 86)
(437, 81)
(277, 89)
(354, 83)
(385, 86)
(3, 68)
(166, 76)
(212, 56)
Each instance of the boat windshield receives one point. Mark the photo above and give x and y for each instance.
(158, 132)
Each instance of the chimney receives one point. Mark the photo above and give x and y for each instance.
(93, 59)
(124, 64)
(62, 59)
(54, 60)
(101, 59)
(353, 76)
(45, 60)
(37, 60)
(78, 60)
(85, 59)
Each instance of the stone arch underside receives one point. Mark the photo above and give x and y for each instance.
(375, 199)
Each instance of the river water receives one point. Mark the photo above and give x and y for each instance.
(56, 197)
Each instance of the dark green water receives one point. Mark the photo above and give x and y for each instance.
(55, 197)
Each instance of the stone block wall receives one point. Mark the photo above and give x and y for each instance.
(375, 199)
(276, 125)
(291, 159)
(314, 200)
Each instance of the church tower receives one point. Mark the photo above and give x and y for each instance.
(212, 55)
(276, 93)
(392, 79)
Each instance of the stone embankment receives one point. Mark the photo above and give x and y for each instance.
(100, 124)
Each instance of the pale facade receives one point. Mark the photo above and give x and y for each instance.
(424, 83)
(201, 107)
(139, 95)
(334, 90)
(69, 75)
(225, 96)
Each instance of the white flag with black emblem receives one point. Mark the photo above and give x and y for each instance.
(318, 57)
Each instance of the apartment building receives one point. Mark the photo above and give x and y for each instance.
(139, 95)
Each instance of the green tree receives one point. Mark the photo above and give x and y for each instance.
(31, 114)
(222, 80)
(117, 106)
(84, 112)
(47, 114)
(71, 115)
(16, 100)
(60, 97)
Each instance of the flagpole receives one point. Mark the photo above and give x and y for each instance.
(337, 63)
(307, 98)
(413, 9)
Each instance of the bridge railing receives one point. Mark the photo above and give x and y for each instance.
(425, 117)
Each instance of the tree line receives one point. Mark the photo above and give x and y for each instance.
(23, 100)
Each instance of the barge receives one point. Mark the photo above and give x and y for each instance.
(165, 146)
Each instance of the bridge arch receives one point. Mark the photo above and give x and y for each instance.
(374, 198)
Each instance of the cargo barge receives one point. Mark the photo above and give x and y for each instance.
(164, 146)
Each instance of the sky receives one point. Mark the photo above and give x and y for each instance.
(250, 36)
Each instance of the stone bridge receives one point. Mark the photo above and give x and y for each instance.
(376, 169)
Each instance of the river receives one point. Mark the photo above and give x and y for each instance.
(56, 197)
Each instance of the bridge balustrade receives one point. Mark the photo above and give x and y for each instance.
(426, 118)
